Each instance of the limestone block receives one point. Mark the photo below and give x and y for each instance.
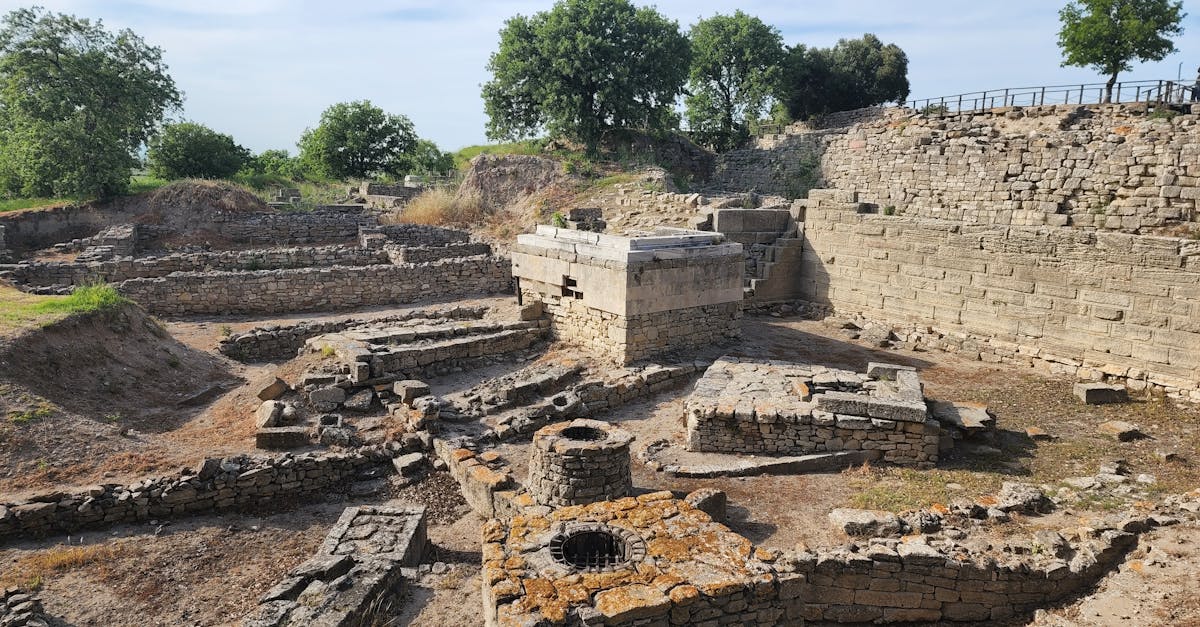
(1100, 393)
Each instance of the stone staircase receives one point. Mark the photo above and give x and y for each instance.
(773, 276)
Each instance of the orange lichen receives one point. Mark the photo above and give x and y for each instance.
(684, 595)
(461, 454)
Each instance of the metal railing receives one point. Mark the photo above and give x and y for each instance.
(1151, 91)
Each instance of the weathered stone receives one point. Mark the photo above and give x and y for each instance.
(268, 414)
(282, 437)
(409, 390)
(271, 389)
(866, 523)
(360, 401)
(328, 396)
(1100, 393)
(1121, 430)
(1023, 498)
(710, 501)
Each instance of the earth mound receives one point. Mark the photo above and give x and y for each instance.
(502, 180)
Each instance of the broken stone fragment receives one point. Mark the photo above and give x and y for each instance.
(360, 401)
(1038, 434)
(408, 465)
(866, 523)
(268, 414)
(1121, 430)
(409, 390)
(1100, 393)
(271, 389)
(1023, 498)
(532, 311)
(328, 396)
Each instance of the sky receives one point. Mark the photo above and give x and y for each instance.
(264, 70)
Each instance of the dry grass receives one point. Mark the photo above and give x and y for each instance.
(441, 207)
(31, 571)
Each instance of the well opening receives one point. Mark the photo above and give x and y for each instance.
(592, 549)
(584, 434)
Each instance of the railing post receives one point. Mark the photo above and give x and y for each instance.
(983, 101)
(1081, 94)
(960, 103)
(1137, 96)
(1005, 103)
(1043, 102)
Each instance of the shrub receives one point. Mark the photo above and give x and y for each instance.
(84, 299)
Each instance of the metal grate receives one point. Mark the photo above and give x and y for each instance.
(589, 550)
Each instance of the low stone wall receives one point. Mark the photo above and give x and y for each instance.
(213, 485)
(777, 408)
(425, 254)
(309, 289)
(419, 234)
(45, 274)
(1088, 304)
(283, 342)
(579, 462)
(405, 360)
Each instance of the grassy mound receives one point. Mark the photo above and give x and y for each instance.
(19, 310)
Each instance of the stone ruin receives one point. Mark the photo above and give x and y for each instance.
(780, 408)
(632, 298)
(579, 462)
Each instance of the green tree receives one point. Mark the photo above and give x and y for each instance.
(76, 104)
(585, 67)
(853, 74)
(735, 69)
(358, 140)
(1107, 35)
(427, 158)
(191, 150)
(275, 162)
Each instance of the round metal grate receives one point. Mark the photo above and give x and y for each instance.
(597, 548)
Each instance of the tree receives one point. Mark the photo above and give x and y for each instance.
(358, 140)
(585, 67)
(427, 158)
(1108, 34)
(191, 150)
(853, 74)
(735, 68)
(76, 104)
(275, 162)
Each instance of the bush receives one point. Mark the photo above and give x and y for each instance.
(274, 163)
(191, 150)
(440, 207)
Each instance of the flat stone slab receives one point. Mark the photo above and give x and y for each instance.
(708, 465)
(1121, 430)
(1101, 393)
(969, 417)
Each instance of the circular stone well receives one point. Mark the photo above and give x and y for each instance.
(579, 462)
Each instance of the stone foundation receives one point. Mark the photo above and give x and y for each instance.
(779, 408)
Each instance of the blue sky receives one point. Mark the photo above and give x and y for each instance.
(263, 70)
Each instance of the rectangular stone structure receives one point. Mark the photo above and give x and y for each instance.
(631, 298)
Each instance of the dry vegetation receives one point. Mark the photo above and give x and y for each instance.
(32, 570)
(441, 207)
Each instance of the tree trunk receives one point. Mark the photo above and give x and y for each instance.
(1108, 88)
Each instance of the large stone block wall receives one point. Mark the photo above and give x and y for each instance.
(1102, 166)
(425, 254)
(213, 485)
(309, 289)
(116, 271)
(625, 339)
(287, 229)
(1088, 303)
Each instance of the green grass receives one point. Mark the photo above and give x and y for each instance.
(16, 204)
(463, 157)
(19, 310)
(42, 410)
(141, 183)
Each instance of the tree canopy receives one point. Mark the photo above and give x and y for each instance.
(855, 73)
(358, 140)
(191, 150)
(584, 67)
(76, 104)
(1107, 35)
(735, 70)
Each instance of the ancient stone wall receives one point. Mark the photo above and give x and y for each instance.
(425, 254)
(1088, 303)
(1107, 167)
(289, 229)
(419, 234)
(213, 485)
(309, 289)
(282, 342)
(628, 339)
(44, 274)
(579, 462)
